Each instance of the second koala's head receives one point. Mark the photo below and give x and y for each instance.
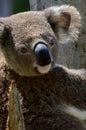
(29, 40)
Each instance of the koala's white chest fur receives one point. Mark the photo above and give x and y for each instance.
(76, 112)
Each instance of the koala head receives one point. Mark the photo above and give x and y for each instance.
(29, 40)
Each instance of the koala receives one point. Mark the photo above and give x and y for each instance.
(54, 97)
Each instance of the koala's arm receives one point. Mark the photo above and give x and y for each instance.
(4, 83)
(72, 85)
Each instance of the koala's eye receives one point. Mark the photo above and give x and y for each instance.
(23, 50)
(52, 41)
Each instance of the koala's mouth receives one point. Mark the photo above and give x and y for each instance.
(43, 69)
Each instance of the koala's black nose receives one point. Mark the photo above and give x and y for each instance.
(42, 54)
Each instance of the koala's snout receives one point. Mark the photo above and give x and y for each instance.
(42, 54)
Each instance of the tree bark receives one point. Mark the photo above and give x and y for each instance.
(71, 55)
(15, 118)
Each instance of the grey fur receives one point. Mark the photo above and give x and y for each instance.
(45, 96)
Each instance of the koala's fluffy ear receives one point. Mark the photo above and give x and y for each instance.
(5, 33)
(2, 27)
(65, 21)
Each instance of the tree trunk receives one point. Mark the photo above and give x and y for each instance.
(15, 119)
(71, 55)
